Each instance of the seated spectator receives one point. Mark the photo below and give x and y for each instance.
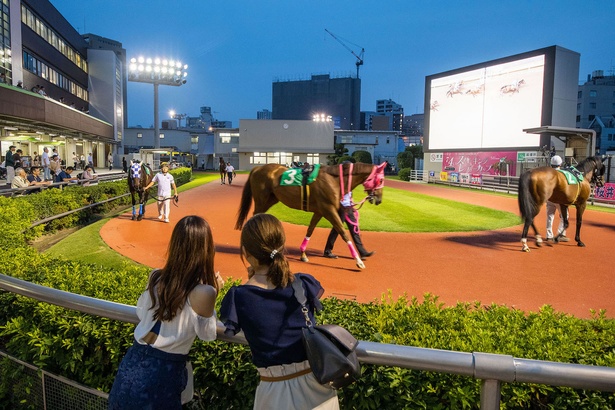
(35, 179)
(89, 176)
(64, 175)
(3, 78)
(19, 84)
(41, 91)
(20, 180)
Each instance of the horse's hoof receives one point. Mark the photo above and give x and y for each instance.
(304, 259)
(539, 244)
(139, 217)
(133, 217)
(525, 248)
(360, 264)
(581, 244)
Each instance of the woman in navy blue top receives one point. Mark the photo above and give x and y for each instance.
(270, 316)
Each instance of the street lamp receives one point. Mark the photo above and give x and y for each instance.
(157, 71)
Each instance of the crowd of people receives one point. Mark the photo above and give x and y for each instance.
(23, 172)
(178, 305)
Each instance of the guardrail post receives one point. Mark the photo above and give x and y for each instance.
(492, 369)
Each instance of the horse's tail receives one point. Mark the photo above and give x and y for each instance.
(246, 202)
(527, 204)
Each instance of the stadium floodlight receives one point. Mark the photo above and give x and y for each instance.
(157, 71)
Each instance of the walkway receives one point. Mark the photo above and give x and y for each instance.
(477, 266)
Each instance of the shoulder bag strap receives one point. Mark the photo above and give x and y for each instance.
(300, 296)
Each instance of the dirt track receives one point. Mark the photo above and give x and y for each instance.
(485, 266)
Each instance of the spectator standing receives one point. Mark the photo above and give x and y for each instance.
(55, 152)
(110, 161)
(273, 329)
(90, 159)
(176, 307)
(54, 166)
(10, 165)
(17, 159)
(82, 161)
(75, 160)
(46, 164)
(36, 160)
(124, 165)
(165, 183)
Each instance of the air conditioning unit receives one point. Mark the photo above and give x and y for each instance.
(569, 152)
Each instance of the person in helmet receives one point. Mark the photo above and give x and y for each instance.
(165, 183)
(556, 163)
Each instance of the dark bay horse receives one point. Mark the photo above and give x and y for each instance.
(324, 197)
(136, 185)
(222, 171)
(538, 185)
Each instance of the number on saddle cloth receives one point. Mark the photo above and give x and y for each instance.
(573, 175)
(295, 176)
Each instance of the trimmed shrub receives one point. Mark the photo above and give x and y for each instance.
(362, 156)
(404, 174)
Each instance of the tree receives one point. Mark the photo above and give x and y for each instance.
(405, 160)
(340, 151)
(362, 156)
(344, 158)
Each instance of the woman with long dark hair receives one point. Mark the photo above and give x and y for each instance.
(176, 307)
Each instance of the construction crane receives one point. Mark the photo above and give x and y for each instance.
(359, 56)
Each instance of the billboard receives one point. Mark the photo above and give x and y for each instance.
(488, 105)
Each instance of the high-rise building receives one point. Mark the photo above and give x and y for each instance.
(596, 98)
(264, 114)
(334, 99)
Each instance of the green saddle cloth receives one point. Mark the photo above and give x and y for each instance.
(294, 176)
(572, 177)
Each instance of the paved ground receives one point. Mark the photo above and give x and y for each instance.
(478, 266)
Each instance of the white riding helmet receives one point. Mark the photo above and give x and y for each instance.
(556, 160)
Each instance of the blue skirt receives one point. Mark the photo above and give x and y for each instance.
(149, 378)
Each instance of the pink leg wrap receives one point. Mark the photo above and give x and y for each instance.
(353, 251)
(304, 244)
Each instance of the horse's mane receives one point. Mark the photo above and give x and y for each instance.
(589, 164)
(334, 170)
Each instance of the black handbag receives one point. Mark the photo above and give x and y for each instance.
(330, 348)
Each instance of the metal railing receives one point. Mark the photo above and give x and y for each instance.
(116, 176)
(491, 369)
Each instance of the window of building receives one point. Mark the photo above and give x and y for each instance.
(225, 140)
(592, 105)
(580, 94)
(388, 140)
(346, 139)
(139, 135)
(194, 139)
(161, 136)
(593, 93)
(258, 158)
(578, 118)
(313, 158)
(591, 117)
(578, 106)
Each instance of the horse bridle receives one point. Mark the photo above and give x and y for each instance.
(374, 181)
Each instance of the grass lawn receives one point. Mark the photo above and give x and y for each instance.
(92, 249)
(403, 211)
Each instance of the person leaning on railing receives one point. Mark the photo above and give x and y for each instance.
(88, 176)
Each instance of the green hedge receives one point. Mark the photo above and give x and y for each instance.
(88, 349)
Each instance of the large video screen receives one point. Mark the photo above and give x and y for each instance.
(485, 106)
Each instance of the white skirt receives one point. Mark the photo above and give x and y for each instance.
(298, 393)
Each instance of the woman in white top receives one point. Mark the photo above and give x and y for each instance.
(177, 306)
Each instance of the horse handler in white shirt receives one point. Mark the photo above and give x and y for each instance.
(165, 183)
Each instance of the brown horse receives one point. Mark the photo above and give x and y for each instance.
(136, 184)
(222, 171)
(538, 185)
(324, 195)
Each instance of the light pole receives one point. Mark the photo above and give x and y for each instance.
(178, 117)
(157, 71)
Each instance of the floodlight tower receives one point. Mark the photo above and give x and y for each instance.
(157, 71)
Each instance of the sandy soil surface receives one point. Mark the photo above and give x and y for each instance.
(486, 266)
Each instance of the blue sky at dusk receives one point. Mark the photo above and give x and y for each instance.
(236, 49)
